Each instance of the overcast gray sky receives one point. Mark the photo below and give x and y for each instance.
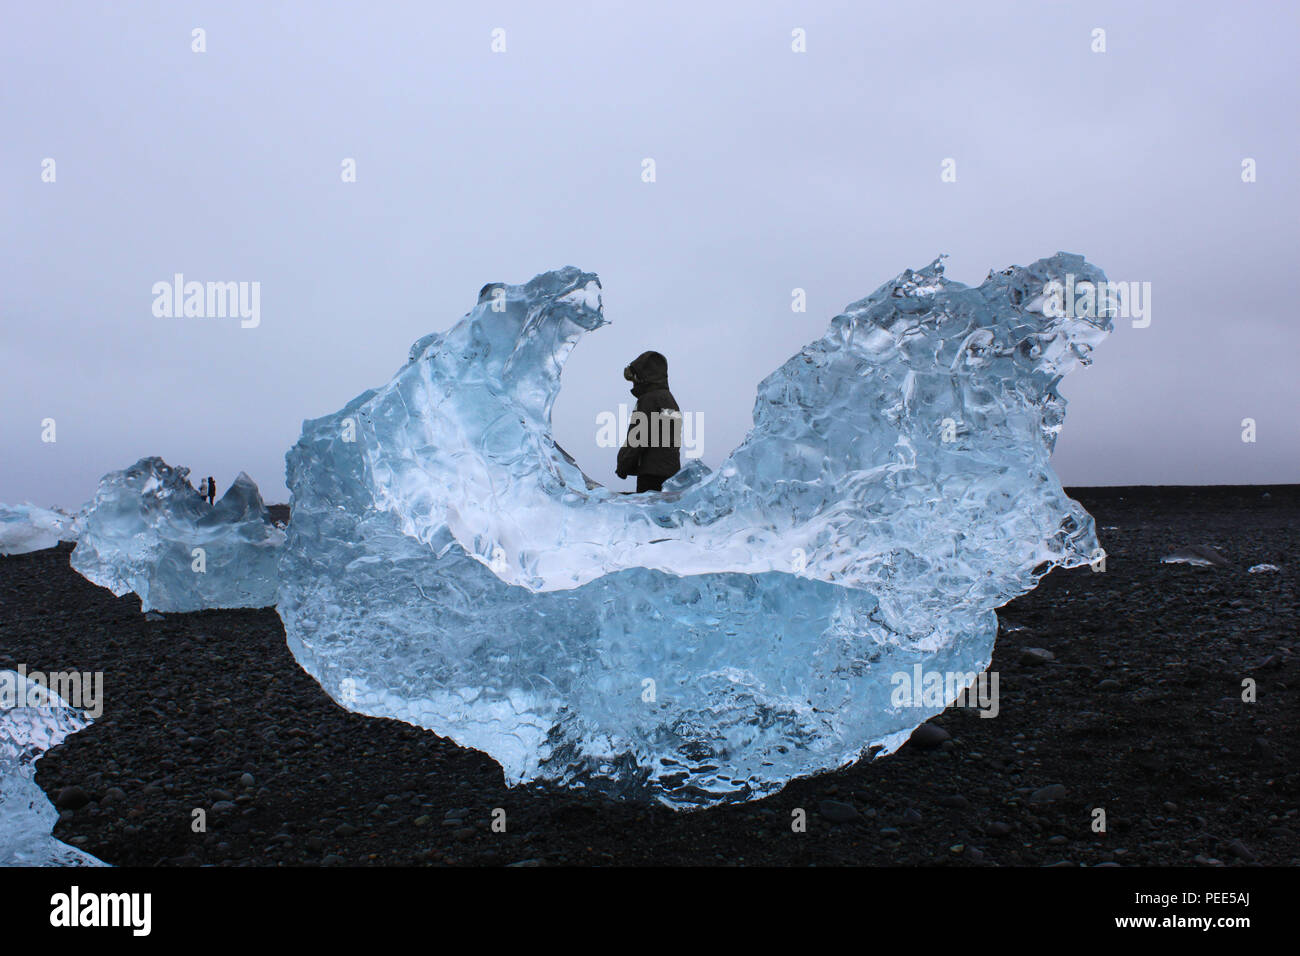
(775, 170)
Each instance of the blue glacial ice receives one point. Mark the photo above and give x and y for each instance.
(26, 528)
(148, 530)
(32, 720)
(447, 564)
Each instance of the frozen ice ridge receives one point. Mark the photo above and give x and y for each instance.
(448, 565)
(32, 720)
(26, 528)
(147, 530)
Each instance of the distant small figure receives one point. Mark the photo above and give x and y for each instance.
(652, 450)
(212, 489)
(203, 488)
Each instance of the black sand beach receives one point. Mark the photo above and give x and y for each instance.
(1139, 713)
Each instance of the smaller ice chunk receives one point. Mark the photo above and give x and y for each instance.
(32, 720)
(26, 528)
(149, 531)
(1197, 555)
(1262, 568)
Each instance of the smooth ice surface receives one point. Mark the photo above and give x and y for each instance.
(142, 528)
(26, 528)
(32, 720)
(448, 565)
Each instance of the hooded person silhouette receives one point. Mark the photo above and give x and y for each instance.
(652, 449)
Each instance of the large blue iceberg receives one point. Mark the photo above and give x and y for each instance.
(447, 564)
(149, 531)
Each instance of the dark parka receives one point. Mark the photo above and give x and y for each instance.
(658, 452)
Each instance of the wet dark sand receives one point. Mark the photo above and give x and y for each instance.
(1140, 713)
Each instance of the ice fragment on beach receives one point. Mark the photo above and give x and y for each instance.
(32, 720)
(1197, 555)
(26, 528)
(149, 531)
